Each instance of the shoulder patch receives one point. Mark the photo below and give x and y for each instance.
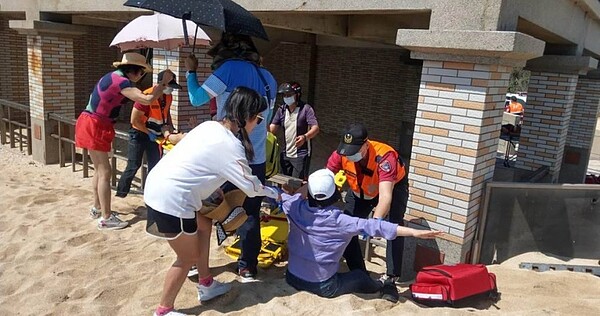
(385, 166)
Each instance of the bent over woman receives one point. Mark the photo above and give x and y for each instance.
(213, 153)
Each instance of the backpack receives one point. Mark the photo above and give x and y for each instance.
(447, 284)
(273, 155)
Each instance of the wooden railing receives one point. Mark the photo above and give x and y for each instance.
(66, 136)
(10, 126)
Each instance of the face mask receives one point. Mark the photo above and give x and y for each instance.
(168, 90)
(355, 158)
(289, 100)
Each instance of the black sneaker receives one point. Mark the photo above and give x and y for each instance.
(389, 292)
(247, 276)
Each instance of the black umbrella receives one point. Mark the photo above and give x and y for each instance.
(224, 15)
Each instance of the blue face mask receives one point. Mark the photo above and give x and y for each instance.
(355, 158)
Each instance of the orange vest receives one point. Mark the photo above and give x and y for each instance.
(368, 188)
(515, 107)
(157, 116)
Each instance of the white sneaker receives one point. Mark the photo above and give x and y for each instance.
(193, 271)
(217, 288)
(95, 213)
(171, 313)
(112, 223)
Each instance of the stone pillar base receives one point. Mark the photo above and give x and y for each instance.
(44, 146)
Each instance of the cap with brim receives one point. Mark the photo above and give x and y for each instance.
(228, 214)
(133, 59)
(173, 84)
(353, 138)
(348, 149)
(322, 189)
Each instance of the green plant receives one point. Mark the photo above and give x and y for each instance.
(519, 80)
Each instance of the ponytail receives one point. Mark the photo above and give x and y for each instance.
(245, 139)
(242, 104)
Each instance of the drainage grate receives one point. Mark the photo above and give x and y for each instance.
(541, 267)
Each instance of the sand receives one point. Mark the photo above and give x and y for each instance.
(53, 261)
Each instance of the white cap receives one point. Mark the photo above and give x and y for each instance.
(321, 184)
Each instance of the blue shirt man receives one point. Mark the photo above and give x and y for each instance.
(236, 63)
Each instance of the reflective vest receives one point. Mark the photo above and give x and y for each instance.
(515, 107)
(368, 187)
(158, 114)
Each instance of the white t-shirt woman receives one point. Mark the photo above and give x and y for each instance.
(208, 156)
(205, 159)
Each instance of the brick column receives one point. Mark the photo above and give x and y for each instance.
(547, 115)
(582, 126)
(583, 115)
(181, 109)
(15, 66)
(51, 89)
(454, 148)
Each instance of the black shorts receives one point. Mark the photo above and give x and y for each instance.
(167, 226)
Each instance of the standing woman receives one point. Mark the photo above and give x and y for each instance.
(213, 153)
(95, 131)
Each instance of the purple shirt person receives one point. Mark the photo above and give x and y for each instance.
(319, 234)
(299, 127)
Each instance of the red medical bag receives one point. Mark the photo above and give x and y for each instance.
(450, 283)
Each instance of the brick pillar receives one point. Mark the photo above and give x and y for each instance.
(15, 66)
(546, 121)
(583, 115)
(455, 140)
(181, 109)
(582, 126)
(51, 89)
(547, 115)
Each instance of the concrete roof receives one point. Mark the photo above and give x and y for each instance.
(568, 27)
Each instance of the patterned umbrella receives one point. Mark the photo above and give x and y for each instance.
(155, 31)
(224, 15)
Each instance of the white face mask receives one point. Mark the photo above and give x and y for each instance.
(168, 90)
(289, 100)
(356, 157)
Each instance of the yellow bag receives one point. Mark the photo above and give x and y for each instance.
(273, 156)
(273, 232)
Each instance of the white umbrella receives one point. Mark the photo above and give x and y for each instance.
(157, 31)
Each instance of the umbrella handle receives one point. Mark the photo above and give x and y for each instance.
(195, 36)
(186, 16)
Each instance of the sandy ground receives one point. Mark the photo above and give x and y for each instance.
(53, 261)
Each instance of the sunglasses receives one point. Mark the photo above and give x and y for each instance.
(259, 119)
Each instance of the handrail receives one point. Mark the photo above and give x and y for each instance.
(10, 105)
(15, 105)
(69, 139)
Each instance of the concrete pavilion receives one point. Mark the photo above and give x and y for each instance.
(428, 77)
